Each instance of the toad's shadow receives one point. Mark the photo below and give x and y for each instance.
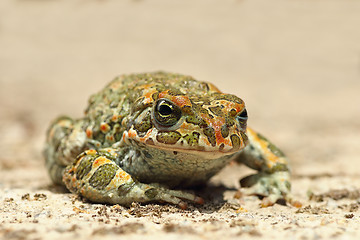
(55, 188)
(213, 195)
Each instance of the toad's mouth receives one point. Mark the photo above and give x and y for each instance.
(207, 154)
(197, 144)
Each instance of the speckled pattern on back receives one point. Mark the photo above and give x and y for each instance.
(145, 133)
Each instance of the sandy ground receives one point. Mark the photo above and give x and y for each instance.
(295, 63)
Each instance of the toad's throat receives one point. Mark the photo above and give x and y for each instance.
(185, 168)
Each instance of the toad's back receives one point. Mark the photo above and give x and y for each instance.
(120, 102)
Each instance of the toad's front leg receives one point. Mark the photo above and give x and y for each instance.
(96, 176)
(273, 179)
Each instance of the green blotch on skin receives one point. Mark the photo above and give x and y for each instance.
(193, 139)
(210, 133)
(151, 193)
(224, 131)
(279, 167)
(216, 110)
(195, 120)
(235, 140)
(229, 120)
(198, 108)
(232, 112)
(85, 166)
(123, 189)
(144, 125)
(103, 176)
(168, 137)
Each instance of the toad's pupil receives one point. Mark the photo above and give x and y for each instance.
(165, 110)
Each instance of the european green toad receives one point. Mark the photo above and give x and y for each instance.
(145, 135)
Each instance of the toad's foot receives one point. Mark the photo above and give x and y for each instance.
(163, 194)
(273, 178)
(97, 177)
(275, 186)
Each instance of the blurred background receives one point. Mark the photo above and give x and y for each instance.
(295, 63)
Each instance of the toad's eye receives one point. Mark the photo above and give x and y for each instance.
(242, 119)
(243, 115)
(166, 113)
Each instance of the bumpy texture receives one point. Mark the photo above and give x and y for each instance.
(146, 133)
